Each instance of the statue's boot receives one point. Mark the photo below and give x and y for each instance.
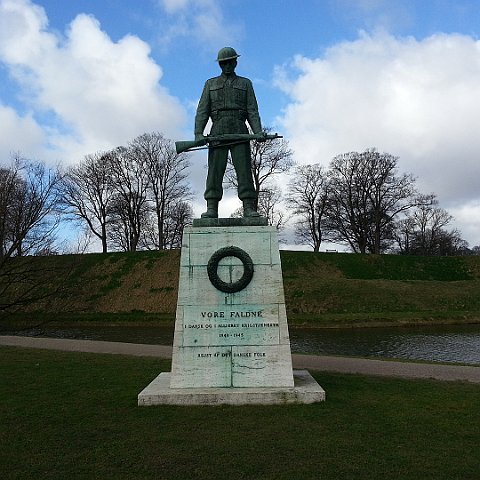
(249, 209)
(212, 209)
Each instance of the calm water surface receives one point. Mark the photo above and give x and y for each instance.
(456, 344)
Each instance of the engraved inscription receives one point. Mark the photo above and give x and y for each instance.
(231, 326)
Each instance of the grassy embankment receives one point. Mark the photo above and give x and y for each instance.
(74, 415)
(321, 290)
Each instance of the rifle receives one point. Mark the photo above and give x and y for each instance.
(231, 139)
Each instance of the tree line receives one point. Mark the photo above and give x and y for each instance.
(132, 197)
(137, 197)
(362, 201)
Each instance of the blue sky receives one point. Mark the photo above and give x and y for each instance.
(332, 76)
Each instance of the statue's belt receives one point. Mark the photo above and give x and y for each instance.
(230, 112)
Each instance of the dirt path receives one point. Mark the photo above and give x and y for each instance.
(312, 362)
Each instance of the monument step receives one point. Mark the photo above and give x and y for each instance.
(305, 391)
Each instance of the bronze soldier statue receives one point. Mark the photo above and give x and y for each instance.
(229, 100)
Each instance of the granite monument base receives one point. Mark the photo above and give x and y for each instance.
(231, 341)
(305, 390)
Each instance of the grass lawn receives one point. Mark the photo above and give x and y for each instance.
(74, 415)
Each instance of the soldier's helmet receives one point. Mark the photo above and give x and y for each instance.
(226, 53)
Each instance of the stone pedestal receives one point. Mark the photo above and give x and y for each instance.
(231, 328)
(231, 338)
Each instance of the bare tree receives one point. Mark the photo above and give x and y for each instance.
(29, 215)
(165, 173)
(269, 158)
(308, 197)
(29, 207)
(10, 184)
(367, 194)
(451, 243)
(126, 195)
(129, 207)
(178, 215)
(404, 235)
(423, 232)
(88, 193)
(269, 201)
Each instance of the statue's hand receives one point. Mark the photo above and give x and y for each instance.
(261, 137)
(199, 137)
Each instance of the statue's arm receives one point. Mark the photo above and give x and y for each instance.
(203, 111)
(253, 116)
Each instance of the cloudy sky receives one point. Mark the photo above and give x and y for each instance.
(332, 76)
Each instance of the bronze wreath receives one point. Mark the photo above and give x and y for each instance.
(240, 284)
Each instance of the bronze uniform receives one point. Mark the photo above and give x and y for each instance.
(229, 101)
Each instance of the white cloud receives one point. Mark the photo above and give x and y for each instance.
(414, 99)
(17, 130)
(102, 93)
(203, 20)
(375, 15)
(467, 217)
(173, 6)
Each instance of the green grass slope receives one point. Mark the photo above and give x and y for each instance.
(346, 289)
(321, 289)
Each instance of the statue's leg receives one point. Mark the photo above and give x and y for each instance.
(242, 162)
(217, 163)
(241, 159)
